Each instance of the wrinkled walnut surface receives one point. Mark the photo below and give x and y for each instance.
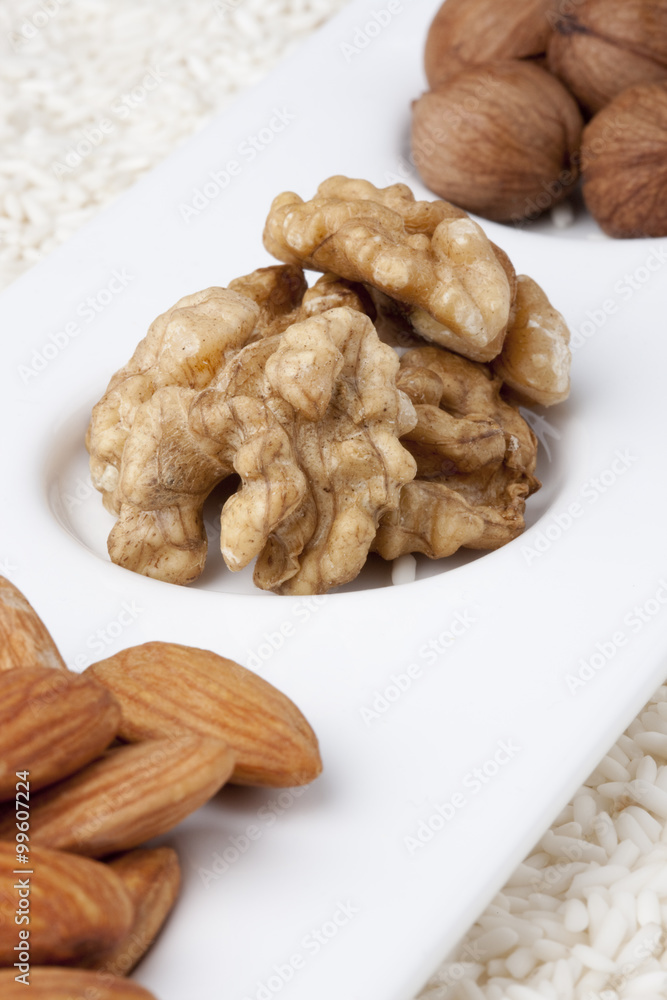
(185, 346)
(278, 291)
(429, 256)
(339, 449)
(475, 457)
(535, 359)
(310, 420)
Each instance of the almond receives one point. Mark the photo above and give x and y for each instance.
(51, 724)
(70, 984)
(152, 879)
(24, 639)
(129, 795)
(165, 689)
(77, 907)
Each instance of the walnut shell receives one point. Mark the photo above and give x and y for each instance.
(624, 163)
(602, 47)
(468, 32)
(499, 139)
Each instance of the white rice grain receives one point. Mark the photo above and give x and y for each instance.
(651, 827)
(518, 992)
(650, 983)
(626, 903)
(404, 570)
(593, 959)
(647, 769)
(628, 851)
(649, 796)
(648, 908)
(612, 770)
(563, 979)
(611, 933)
(597, 876)
(496, 942)
(572, 849)
(584, 812)
(605, 831)
(575, 916)
(591, 984)
(521, 962)
(550, 951)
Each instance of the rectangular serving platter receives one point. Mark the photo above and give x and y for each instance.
(457, 714)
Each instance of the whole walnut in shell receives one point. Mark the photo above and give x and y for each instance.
(467, 32)
(601, 47)
(499, 139)
(624, 163)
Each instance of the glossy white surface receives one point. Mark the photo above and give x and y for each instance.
(337, 856)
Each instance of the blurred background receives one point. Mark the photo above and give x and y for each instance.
(94, 94)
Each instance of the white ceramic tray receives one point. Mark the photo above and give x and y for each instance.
(411, 689)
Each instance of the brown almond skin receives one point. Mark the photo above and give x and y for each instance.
(165, 688)
(152, 878)
(69, 984)
(599, 48)
(51, 724)
(500, 139)
(624, 163)
(126, 797)
(467, 32)
(24, 638)
(78, 907)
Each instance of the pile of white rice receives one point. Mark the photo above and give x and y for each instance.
(154, 72)
(584, 916)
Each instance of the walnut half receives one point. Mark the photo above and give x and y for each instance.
(310, 419)
(475, 458)
(456, 287)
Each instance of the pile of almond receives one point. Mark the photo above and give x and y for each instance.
(94, 765)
